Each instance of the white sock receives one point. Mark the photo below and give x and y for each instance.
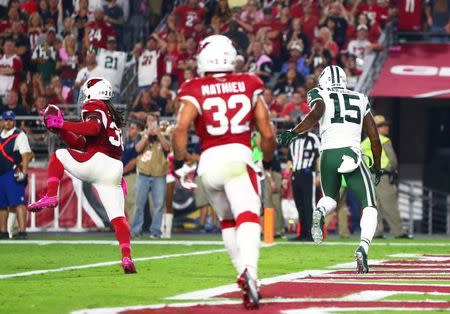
(168, 225)
(368, 226)
(230, 241)
(326, 204)
(11, 222)
(248, 239)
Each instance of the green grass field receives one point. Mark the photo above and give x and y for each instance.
(64, 291)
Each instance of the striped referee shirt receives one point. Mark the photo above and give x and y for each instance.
(303, 152)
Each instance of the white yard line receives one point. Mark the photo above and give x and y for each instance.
(186, 242)
(45, 271)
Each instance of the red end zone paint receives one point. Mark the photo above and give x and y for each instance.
(308, 289)
(270, 308)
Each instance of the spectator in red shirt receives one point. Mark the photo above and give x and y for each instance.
(10, 68)
(329, 43)
(270, 28)
(374, 11)
(189, 15)
(187, 59)
(274, 107)
(170, 57)
(296, 108)
(310, 21)
(97, 31)
(363, 19)
(298, 8)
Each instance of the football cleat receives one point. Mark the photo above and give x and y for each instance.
(128, 266)
(45, 202)
(250, 291)
(362, 267)
(317, 226)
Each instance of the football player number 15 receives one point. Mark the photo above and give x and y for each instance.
(352, 118)
(223, 122)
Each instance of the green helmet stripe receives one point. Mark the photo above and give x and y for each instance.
(332, 74)
(337, 74)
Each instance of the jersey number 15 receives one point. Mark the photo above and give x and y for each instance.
(348, 108)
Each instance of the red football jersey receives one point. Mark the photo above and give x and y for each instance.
(109, 141)
(99, 32)
(189, 17)
(226, 104)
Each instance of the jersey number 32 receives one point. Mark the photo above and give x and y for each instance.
(223, 122)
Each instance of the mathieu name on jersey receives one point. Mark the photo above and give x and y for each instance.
(225, 103)
(109, 141)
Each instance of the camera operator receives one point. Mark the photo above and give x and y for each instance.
(152, 166)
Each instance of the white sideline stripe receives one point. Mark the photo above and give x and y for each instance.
(45, 271)
(183, 242)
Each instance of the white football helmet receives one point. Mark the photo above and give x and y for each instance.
(95, 88)
(216, 54)
(333, 76)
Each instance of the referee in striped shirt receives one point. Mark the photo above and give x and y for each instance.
(303, 159)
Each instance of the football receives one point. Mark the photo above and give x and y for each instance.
(51, 110)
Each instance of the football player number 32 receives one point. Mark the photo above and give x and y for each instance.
(223, 122)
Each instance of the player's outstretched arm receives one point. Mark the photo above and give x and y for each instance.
(311, 118)
(265, 128)
(186, 115)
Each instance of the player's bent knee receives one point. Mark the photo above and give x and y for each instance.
(328, 203)
(247, 216)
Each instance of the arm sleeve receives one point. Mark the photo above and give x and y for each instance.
(22, 145)
(73, 140)
(313, 96)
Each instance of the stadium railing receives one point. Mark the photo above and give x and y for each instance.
(374, 61)
(424, 210)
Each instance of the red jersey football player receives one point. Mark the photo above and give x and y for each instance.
(94, 156)
(224, 108)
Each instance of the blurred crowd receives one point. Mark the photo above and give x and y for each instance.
(50, 47)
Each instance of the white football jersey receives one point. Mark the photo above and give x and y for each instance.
(148, 67)
(341, 123)
(111, 65)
